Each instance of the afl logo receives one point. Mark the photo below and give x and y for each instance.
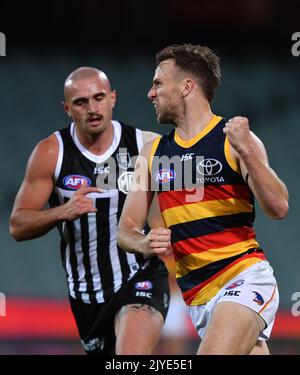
(74, 181)
(164, 176)
(209, 167)
(235, 284)
(143, 285)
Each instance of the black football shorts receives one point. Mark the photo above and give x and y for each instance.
(95, 321)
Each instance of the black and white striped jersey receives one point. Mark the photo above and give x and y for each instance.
(95, 266)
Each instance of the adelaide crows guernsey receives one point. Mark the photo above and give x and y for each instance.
(213, 239)
(95, 266)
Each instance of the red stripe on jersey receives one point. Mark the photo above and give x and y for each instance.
(183, 197)
(216, 240)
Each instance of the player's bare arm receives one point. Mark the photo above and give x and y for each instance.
(149, 136)
(154, 219)
(30, 218)
(250, 153)
(135, 212)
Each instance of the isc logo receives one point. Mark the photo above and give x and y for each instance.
(187, 156)
(102, 170)
(74, 181)
(232, 293)
(143, 294)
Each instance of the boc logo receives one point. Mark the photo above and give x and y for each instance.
(209, 167)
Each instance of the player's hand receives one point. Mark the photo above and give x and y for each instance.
(80, 203)
(238, 132)
(158, 241)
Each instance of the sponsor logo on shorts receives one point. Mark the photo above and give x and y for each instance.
(74, 181)
(143, 285)
(233, 293)
(235, 284)
(143, 294)
(258, 298)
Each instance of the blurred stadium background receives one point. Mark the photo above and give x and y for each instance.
(261, 79)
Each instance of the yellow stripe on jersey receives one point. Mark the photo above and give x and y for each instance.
(152, 152)
(206, 209)
(186, 144)
(211, 289)
(230, 159)
(195, 261)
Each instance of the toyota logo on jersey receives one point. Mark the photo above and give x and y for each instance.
(209, 167)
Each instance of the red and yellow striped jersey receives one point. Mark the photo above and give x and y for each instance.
(212, 225)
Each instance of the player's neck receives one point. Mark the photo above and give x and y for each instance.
(99, 143)
(194, 121)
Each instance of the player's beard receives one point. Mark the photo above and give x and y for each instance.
(168, 116)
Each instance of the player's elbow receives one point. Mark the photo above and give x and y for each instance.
(124, 240)
(16, 235)
(280, 210)
(121, 236)
(122, 243)
(14, 230)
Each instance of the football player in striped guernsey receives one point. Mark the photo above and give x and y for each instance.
(223, 273)
(119, 300)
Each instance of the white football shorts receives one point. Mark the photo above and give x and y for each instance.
(256, 288)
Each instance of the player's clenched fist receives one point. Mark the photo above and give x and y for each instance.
(80, 204)
(237, 130)
(157, 241)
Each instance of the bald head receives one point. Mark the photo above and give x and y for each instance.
(81, 74)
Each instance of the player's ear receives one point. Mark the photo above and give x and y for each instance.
(113, 97)
(66, 108)
(187, 87)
